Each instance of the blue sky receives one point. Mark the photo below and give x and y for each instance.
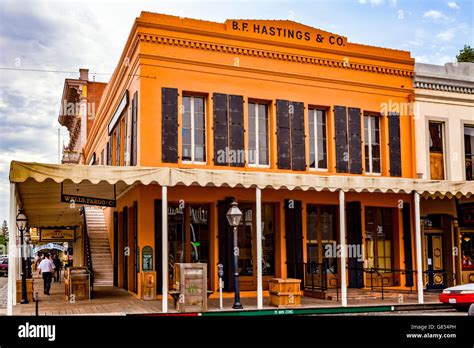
(68, 35)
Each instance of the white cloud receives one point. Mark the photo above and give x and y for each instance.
(393, 3)
(373, 2)
(433, 14)
(436, 58)
(453, 5)
(446, 35)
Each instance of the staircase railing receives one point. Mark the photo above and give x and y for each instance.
(87, 247)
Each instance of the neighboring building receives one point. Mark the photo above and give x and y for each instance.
(444, 126)
(79, 103)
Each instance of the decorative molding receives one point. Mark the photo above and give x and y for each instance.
(260, 53)
(444, 87)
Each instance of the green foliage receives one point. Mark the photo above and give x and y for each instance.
(466, 55)
(4, 233)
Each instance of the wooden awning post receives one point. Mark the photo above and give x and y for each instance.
(342, 238)
(12, 252)
(258, 203)
(419, 262)
(164, 247)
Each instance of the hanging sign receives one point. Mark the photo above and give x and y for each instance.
(57, 235)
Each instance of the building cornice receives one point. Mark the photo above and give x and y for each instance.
(445, 86)
(274, 55)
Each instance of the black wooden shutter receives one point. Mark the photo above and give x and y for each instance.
(124, 223)
(225, 243)
(294, 239)
(355, 145)
(394, 144)
(236, 130)
(133, 145)
(116, 248)
(298, 157)
(354, 237)
(109, 152)
(221, 129)
(342, 155)
(169, 125)
(283, 134)
(407, 244)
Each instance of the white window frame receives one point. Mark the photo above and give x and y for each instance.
(192, 161)
(369, 171)
(257, 146)
(315, 135)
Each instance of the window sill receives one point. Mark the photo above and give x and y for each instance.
(193, 162)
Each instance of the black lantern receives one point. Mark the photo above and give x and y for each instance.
(233, 217)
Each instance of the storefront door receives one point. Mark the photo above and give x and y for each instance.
(246, 237)
(435, 276)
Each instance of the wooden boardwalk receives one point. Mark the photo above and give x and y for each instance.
(114, 301)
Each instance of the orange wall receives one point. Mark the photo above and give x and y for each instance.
(165, 51)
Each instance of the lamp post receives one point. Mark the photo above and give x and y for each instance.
(21, 224)
(27, 238)
(233, 216)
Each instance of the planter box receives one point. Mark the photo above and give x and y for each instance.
(285, 293)
(285, 285)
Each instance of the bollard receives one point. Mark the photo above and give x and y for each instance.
(36, 303)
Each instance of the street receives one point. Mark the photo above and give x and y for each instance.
(3, 291)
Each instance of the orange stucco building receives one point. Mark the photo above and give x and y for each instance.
(259, 97)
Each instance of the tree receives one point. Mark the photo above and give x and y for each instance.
(4, 230)
(466, 55)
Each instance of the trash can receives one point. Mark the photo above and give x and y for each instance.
(29, 290)
(77, 283)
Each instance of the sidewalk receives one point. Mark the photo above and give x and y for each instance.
(114, 301)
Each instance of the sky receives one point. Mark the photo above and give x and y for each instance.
(64, 36)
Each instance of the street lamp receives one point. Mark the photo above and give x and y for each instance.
(27, 238)
(233, 216)
(21, 221)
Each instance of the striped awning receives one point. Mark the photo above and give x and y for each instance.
(39, 184)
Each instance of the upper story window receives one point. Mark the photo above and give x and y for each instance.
(372, 144)
(318, 156)
(258, 140)
(436, 130)
(469, 151)
(194, 129)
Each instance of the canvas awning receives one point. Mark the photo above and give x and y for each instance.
(39, 185)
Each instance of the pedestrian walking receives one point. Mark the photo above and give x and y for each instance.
(46, 268)
(57, 265)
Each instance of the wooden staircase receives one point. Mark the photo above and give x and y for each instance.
(99, 247)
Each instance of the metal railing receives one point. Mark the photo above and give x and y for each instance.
(87, 247)
(317, 278)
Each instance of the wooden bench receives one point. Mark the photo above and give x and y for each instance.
(175, 295)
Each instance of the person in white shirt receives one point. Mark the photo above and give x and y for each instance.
(46, 267)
